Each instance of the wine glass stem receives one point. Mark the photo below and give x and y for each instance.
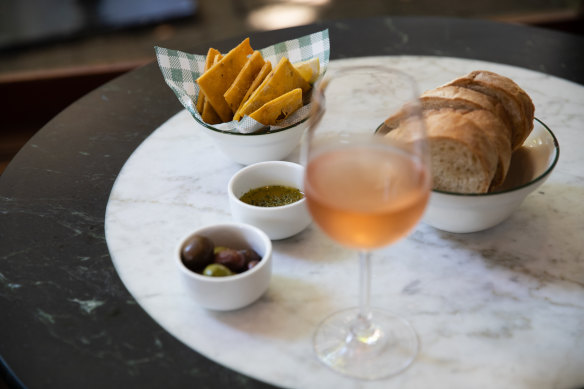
(364, 284)
(363, 330)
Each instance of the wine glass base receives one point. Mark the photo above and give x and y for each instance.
(389, 348)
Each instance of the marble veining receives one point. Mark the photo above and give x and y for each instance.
(500, 308)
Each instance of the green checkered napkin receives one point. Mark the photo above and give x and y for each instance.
(180, 70)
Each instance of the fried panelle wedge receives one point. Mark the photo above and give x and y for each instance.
(209, 61)
(283, 78)
(208, 113)
(261, 76)
(279, 108)
(215, 81)
(234, 95)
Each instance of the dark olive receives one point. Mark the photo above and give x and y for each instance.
(233, 259)
(251, 264)
(250, 256)
(197, 252)
(217, 270)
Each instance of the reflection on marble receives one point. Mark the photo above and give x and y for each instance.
(503, 308)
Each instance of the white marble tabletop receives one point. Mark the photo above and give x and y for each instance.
(502, 308)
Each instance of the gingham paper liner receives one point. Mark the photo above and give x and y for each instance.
(180, 70)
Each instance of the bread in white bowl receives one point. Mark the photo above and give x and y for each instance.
(474, 124)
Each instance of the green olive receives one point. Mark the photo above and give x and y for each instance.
(218, 249)
(217, 270)
(197, 252)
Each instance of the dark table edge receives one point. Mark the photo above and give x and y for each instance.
(27, 190)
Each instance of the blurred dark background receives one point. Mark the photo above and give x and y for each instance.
(54, 51)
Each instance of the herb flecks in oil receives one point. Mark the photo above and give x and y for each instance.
(272, 196)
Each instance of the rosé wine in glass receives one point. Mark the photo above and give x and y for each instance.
(366, 197)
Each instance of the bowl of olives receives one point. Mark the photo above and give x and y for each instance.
(225, 266)
(268, 195)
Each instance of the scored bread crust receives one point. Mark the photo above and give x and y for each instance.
(461, 153)
(460, 98)
(502, 90)
(512, 87)
(450, 96)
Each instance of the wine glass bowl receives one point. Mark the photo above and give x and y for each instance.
(348, 190)
(365, 190)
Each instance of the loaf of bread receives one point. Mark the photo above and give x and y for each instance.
(474, 123)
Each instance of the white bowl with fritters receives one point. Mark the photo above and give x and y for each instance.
(246, 149)
(530, 167)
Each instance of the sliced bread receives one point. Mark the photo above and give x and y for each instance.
(485, 111)
(461, 153)
(473, 123)
(459, 98)
(496, 130)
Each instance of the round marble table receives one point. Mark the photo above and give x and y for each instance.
(498, 308)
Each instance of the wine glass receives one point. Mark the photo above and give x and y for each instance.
(366, 187)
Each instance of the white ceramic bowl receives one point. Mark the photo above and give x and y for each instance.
(530, 167)
(277, 222)
(229, 292)
(257, 147)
